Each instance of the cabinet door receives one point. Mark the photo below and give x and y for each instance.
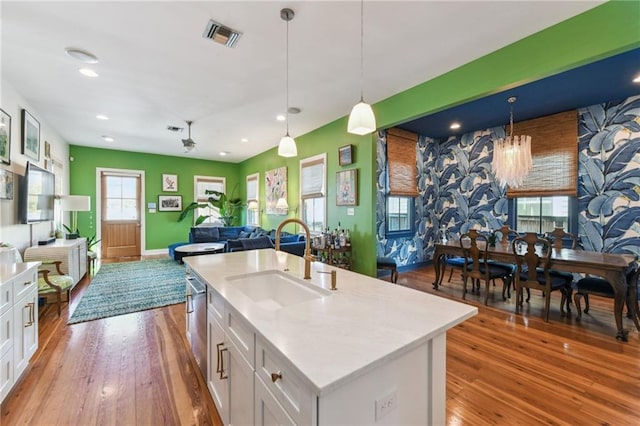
(82, 256)
(217, 383)
(25, 331)
(269, 412)
(6, 374)
(6, 332)
(240, 375)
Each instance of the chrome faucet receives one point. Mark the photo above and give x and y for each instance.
(308, 257)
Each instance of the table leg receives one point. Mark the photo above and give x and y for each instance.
(619, 283)
(438, 261)
(632, 303)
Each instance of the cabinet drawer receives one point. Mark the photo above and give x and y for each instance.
(24, 283)
(241, 333)
(268, 410)
(6, 297)
(215, 304)
(6, 332)
(289, 389)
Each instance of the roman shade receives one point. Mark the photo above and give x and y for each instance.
(401, 160)
(554, 149)
(312, 173)
(208, 183)
(252, 187)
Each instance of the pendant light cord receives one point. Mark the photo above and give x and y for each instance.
(287, 81)
(361, 50)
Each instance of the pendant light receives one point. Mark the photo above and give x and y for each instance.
(512, 156)
(361, 120)
(287, 146)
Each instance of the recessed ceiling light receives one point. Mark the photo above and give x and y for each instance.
(88, 72)
(637, 79)
(102, 117)
(81, 55)
(244, 140)
(108, 138)
(454, 126)
(280, 117)
(223, 153)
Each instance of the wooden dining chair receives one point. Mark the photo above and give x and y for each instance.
(601, 287)
(561, 239)
(503, 236)
(533, 261)
(478, 269)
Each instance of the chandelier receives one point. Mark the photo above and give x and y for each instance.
(512, 156)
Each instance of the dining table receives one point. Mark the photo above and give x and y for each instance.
(610, 266)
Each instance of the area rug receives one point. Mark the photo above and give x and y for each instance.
(122, 288)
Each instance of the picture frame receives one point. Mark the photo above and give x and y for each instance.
(347, 187)
(345, 155)
(5, 137)
(169, 203)
(6, 185)
(47, 150)
(169, 183)
(30, 136)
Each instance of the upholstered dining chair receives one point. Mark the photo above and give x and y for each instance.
(601, 287)
(51, 279)
(533, 261)
(503, 236)
(560, 239)
(478, 269)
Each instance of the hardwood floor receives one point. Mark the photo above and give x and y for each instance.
(502, 368)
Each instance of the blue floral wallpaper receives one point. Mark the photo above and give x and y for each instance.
(457, 188)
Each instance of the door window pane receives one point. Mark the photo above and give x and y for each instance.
(121, 198)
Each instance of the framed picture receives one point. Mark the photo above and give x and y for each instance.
(169, 203)
(345, 155)
(347, 188)
(30, 136)
(6, 185)
(5, 137)
(47, 149)
(169, 183)
(275, 188)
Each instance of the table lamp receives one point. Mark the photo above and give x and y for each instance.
(75, 204)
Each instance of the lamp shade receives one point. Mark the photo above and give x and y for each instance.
(75, 203)
(287, 147)
(282, 204)
(361, 120)
(253, 205)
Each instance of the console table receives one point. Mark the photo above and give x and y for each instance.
(340, 257)
(72, 254)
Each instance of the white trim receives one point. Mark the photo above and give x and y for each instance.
(137, 173)
(156, 252)
(303, 161)
(251, 177)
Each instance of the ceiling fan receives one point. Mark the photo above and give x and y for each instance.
(189, 144)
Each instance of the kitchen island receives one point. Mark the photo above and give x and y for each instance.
(291, 351)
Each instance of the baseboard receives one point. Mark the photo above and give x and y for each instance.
(155, 252)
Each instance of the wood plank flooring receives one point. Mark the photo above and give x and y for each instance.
(502, 368)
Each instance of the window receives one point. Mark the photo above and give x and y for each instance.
(399, 216)
(121, 197)
(542, 214)
(312, 191)
(253, 216)
(201, 184)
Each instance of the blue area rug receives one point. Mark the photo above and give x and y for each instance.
(122, 288)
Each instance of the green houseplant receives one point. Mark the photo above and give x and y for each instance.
(227, 207)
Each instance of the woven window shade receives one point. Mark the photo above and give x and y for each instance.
(401, 158)
(554, 148)
(312, 179)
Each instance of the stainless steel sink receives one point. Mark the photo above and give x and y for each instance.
(273, 289)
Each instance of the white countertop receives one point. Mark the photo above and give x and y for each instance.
(10, 270)
(334, 338)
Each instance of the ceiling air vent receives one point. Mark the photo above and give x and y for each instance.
(175, 128)
(221, 34)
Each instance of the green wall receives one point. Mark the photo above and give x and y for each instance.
(162, 228)
(606, 30)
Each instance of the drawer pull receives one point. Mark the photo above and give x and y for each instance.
(276, 376)
(218, 360)
(222, 375)
(26, 283)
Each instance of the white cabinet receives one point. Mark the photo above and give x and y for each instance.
(268, 410)
(72, 254)
(217, 381)
(18, 321)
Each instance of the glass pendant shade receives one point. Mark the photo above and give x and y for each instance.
(287, 147)
(512, 160)
(362, 121)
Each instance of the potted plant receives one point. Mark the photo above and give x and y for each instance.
(227, 207)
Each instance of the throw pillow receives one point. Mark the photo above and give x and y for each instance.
(243, 234)
(205, 234)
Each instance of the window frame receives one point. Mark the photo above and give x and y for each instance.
(250, 213)
(572, 213)
(310, 161)
(401, 233)
(214, 214)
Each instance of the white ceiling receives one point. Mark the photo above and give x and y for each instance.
(156, 69)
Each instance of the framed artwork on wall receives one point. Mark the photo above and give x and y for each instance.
(345, 155)
(169, 183)
(347, 188)
(5, 137)
(30, 136)
(6, 185)
(169, 203)
(276, 188)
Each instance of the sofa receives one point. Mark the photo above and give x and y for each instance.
(233, 236)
